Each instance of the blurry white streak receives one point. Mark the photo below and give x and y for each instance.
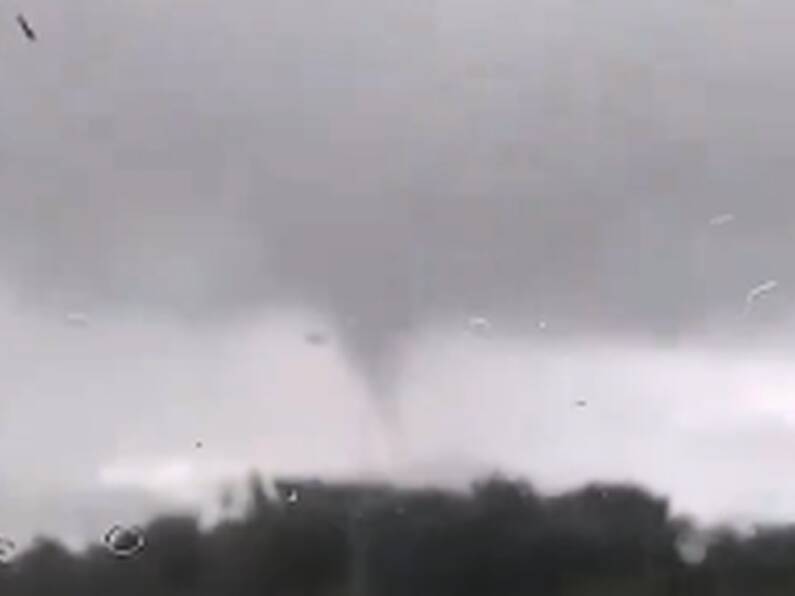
(178, 479)
(77, 319)
(722, 219)
(480, 325)
(759, 291)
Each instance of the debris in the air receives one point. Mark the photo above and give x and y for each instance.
(722, 219)
(480, 325)
(124, 542)
(26, 28)
(77, 319)
(692, 547)
(316, 338)
(292, 497)
(759, 291)
(580, 403)
(7, 549)
(199, 444)
(542, 325)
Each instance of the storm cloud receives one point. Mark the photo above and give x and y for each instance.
(192, 192)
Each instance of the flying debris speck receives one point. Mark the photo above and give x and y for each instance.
(7, 549)
(198, 445)
(124, 542)
(722, 219)
(542, 325)
(580, 403)
(292, 497)
(760, 291)
(316, 338)
(26, 28)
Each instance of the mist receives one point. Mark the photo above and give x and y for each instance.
(118, 418)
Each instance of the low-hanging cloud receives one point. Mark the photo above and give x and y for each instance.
(389, 164)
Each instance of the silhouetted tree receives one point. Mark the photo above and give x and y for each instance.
(502, 538)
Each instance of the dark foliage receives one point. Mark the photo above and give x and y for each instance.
(503, 539)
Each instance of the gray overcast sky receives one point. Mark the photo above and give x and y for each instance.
(210, 182)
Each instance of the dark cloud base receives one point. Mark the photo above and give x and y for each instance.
(394, 166)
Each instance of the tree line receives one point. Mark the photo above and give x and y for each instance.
(500, 539)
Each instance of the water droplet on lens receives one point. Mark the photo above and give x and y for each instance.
(692, 547)
(7, 549)
(758, 292)
(479, 325)
(124, 542)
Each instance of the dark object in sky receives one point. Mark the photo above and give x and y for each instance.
(26, 28)
(581, 403)
(316, 338)
(199, 445)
